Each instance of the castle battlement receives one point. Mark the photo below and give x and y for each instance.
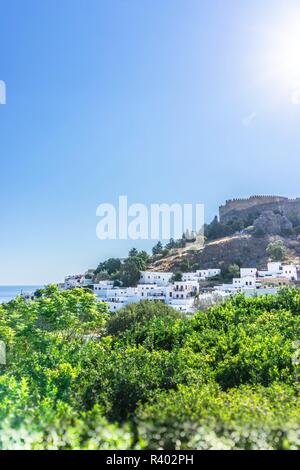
(253, 200)
(239, 206)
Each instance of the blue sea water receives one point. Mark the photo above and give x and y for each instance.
(8, 293)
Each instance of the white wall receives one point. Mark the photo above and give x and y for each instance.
(207, 273)
(290, 271)
(150, 277)
(190, 277)
(246, 272)
(279, 270)
(275, 267)
(240, 282)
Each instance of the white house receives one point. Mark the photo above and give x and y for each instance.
(190, 277)
(226, 288)
(87, 282)
(207, 273)
(181, 295)
(114, 305)
(151, 277)
(186, 286)
(186, 305)
(77, 280)
(248, 282)
(151, 292)
(102, 285)
(237, 285)
(117, 298)
(290, 271)
(274, 266)
(277, 269)
(247, 272)
(72, 281)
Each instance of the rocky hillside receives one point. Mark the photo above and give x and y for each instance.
(244, 250)
(242, 239)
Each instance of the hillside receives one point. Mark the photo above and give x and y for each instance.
(241, 236)
(244, 250)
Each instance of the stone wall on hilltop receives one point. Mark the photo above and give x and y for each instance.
(254, 206)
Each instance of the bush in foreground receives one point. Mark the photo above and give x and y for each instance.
(146, 377)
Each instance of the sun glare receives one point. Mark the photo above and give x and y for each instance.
(282, 56)
(287, 55)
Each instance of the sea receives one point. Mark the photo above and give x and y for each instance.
(8, 293)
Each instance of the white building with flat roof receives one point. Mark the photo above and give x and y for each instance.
(248, 282)
(277, 269)
(193, 276)
(151, 292)
(77, 280)
(103, 285)
(186, 305)
(186, 286)
(247, 272)
(290, 271)
(201, 274)
(207, 273)
(152, 277)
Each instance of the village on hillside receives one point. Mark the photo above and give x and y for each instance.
(259, 232)
(188, 294)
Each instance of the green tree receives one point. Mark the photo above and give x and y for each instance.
(110, 266)
(277, 250)
(177, 276)
(77, 377)
(234, 270)
(143, 255)
(171, 244)
(216, 230)
(131, 270)
(184, 265)
(133, 252)
(157, 249)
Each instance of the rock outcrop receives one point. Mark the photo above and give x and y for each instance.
(271, 223)
(251, 208)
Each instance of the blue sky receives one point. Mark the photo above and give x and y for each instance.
(164, 101)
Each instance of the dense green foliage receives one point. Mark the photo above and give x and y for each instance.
(276, 250)
(147, 377)
(217, 229)
(126, 272)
